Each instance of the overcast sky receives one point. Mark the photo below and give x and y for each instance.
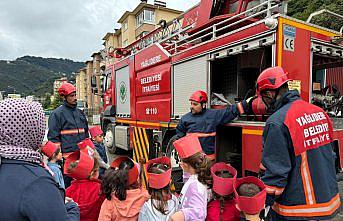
(62, 28)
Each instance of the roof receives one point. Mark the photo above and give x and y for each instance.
(95, 53)
(145, 5)
(108, 34)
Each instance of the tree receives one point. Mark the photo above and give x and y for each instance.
(58, 100)
(47, 101)
(302, 9)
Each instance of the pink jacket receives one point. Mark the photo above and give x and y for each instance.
(127, 210)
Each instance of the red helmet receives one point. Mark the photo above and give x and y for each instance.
(199, 96)
(66, 89)
(271, 78)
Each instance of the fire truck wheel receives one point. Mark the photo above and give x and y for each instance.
(172, 153)
(109, 140)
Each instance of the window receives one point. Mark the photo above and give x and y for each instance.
(125, 43)
(145, 16)
(124, 25)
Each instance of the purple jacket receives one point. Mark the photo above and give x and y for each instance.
(193, 199)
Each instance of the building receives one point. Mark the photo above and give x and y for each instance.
(144, 19)
(96, 81)
(134, 25)
(111, 41)
(58, 83)
(81, 86)
(89, 73)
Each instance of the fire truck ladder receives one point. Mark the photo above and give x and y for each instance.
(185, 41)
(173, 38)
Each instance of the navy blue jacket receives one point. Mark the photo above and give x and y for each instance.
(299, 161)
(29, 192)
(205, 124)
(67, 127)
(102, 152)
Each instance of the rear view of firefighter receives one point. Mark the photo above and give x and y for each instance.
(298, 156)
(67, 124)
(203, 122)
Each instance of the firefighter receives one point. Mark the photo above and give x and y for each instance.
(298, 156)
(67, 124)
(203, 122)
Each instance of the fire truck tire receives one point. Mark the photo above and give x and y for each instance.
(172, 153)
(109, 139)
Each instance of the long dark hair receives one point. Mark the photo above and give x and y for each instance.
(202, 166)
(222, 199)
(160, 197)
(116, 181)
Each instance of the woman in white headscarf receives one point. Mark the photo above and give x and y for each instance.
(27, 190)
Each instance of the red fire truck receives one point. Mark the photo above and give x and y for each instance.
(219, 47)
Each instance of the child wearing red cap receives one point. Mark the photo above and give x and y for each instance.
(194, 193)
(250, 193)
(97, 136)
(85, 189)
(124, 194)
(54, 154)
(222, 207)
(162, 203)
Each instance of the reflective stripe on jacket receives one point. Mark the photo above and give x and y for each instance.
(67, 126)
(299, 161)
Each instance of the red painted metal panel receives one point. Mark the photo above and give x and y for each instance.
(320, 36)
(220, 42)
(155, 110)
(335, 76)
(338, 135)
(122, 63)
(153, 81)
(190, 17)
(297, 62)
(149, 57)
(251, 149)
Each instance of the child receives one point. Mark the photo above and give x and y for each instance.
(97, 136)
(54, 154)
(193, 197)
(85, 190)
(162, 203)
(222, 207)
(124, 195)
(250, 193)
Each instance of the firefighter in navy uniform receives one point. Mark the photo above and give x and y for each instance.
(67, 124)
(298, 156)
(203, 122)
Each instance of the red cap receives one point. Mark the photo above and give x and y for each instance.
(95, 131)
(250, 205)
(49, 149)
(158, 181)
(86, 144)
(83, 168)
(133, 172)
(223, 186)
(187, 146)
(66, 89)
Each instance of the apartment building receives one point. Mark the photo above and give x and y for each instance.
(144, 19)
(81, 86)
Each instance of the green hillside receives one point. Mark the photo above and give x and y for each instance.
(35, 75)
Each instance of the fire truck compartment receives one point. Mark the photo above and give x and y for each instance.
(233, 76)
(229, 146)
